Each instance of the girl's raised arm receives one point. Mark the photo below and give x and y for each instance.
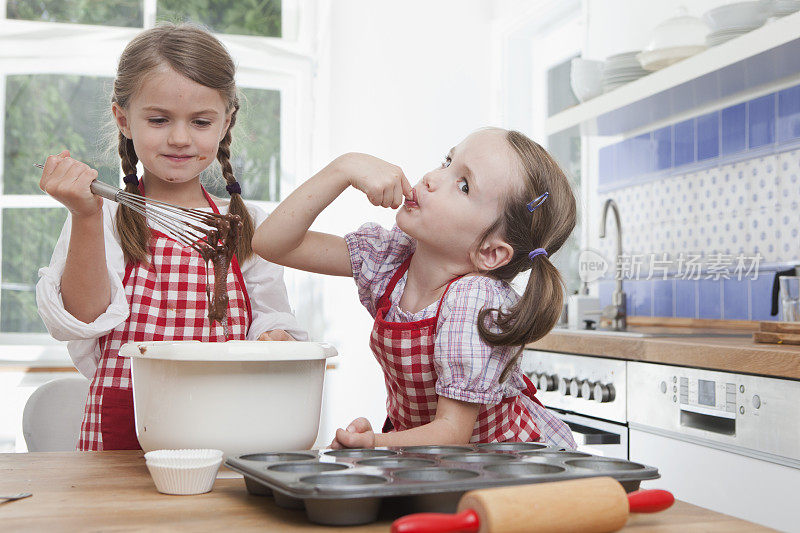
(284, 237)
(85, 288)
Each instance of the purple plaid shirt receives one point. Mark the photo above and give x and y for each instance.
(468, 369)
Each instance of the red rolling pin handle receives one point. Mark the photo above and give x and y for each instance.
(463, 522)
(650, 501)
(642, 501)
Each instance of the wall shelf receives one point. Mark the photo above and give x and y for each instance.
(756, 59)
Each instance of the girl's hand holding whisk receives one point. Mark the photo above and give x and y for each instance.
(68, 180)
(383, 183)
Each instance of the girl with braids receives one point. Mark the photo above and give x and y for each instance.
(448, 328)
(115, 279)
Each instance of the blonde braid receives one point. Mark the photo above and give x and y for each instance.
(237, 206)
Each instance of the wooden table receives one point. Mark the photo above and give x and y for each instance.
(80, 491)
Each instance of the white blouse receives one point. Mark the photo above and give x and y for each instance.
(263, 280)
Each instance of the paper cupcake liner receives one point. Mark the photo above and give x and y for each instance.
(184, 480)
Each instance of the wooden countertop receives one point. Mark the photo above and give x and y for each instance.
(730, 354)
(79, 491)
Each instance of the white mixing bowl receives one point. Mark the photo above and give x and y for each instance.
(237, 396)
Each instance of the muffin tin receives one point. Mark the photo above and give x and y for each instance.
(348, 487)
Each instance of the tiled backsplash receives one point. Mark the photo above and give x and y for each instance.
(721, 183)
(729, 299)
(759, 127)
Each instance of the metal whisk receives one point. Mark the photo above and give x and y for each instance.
(192, 227)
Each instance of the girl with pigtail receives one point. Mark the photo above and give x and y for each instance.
(114, 278)
(448, 328)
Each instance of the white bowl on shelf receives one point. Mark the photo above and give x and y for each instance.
(674, 39)
(740, 15)
(236, 396)
(586, 78)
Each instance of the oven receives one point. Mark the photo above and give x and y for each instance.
(588, 393)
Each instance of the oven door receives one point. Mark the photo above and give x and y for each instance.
(599, 437)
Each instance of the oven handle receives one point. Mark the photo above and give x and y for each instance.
(585, 435)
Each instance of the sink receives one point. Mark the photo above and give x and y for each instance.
(643, 332)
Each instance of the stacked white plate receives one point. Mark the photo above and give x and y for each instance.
(620, 69)
(732, 20)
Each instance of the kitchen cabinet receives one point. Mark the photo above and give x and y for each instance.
(705, 430)
(760, 58)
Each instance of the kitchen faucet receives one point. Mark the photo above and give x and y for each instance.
(616, 312)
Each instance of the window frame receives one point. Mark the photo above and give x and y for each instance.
(89, 50)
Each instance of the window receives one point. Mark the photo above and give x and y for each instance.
(565, 147)
(56, 72)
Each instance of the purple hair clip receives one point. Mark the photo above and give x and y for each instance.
(131, 179)
(538, 201)
(538, 251)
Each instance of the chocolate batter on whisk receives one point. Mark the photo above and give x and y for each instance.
(218, 248)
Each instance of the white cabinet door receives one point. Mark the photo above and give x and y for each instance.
(747, 488)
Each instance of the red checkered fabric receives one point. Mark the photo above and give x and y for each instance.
(167, 302)
(405, 352)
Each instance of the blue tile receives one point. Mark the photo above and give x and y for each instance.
(624, 160)
(761, 121)
(662, 297)
(789, 114)
(733, 129)
(683, 143)
(643, 154)
(685, 298)
(607, 165)
(734, 295)
(761, 296)
(663, 145)
(708, 136)
(642, 298)
(710, 303)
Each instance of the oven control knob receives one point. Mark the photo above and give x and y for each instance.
(604, 393)
(563, 386)
(575, 387)
(547, 382)
(587, 389)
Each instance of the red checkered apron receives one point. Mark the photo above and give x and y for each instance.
(405, 352)
(167, 302)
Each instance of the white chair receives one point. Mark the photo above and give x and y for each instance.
(51, 421)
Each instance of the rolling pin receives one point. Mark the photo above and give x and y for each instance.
(591, 505)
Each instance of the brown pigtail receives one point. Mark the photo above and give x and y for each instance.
(237, 206)
(134, 233)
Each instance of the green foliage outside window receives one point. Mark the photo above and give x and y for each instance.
(256, 148)
(29, 236)
(241, 17)
(49, 113)
(126, 13)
